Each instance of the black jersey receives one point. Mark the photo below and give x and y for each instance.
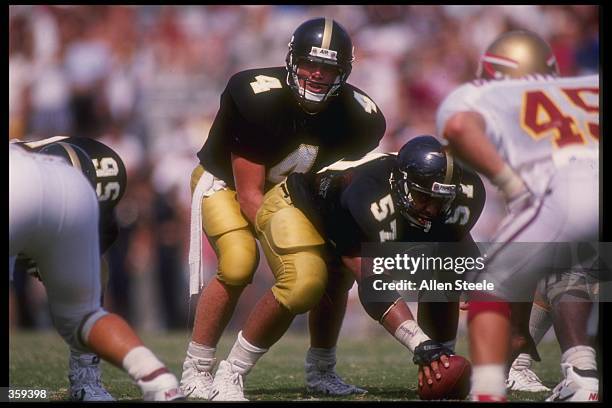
(259, 119)
(355, 205)
(111, 180)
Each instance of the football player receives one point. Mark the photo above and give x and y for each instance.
(420, 195)
(106, 172)
(53, 219)
(536, 137)
(272, 122)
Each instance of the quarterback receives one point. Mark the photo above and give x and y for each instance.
(272, 122)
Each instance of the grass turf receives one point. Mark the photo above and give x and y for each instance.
(39, 360)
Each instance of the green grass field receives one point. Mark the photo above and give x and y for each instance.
(379, 364)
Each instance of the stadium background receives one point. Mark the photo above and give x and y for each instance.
(146, 80)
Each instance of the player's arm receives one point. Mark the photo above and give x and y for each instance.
(398, 320)
(465, 132)
(249, 178)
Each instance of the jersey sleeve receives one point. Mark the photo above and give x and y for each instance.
(466, 98)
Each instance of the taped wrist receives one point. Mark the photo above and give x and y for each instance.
(410, 335)
(509, 182)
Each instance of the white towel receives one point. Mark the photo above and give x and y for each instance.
(198, 276)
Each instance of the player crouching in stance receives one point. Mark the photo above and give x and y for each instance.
(53, 219)
(107, 174)
(413, 197)
(536, 137)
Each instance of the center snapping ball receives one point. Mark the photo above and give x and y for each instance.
(454, 384)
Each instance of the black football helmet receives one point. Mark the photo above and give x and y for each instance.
(425, 181)
(324, 41)
(75, 156)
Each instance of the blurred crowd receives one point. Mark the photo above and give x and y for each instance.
(146, 80)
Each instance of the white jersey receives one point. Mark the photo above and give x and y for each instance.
(536, 124)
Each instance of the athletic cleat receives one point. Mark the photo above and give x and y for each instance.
(164, 387)
(195, 384)
(321, 378)
(578, 385)
(523, 379)
(227, 385)
(84, 376)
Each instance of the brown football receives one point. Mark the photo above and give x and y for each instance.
(454, 384)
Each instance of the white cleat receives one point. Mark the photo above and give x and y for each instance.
(523, 379)
(195, 384)
(164, 387)
(84, 376)
(321, 378)
(578, 385)
(227, 385)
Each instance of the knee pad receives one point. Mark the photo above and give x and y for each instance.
(483, 302)
(238, 257)
(301, 281)
(77, 334)
(377, 303)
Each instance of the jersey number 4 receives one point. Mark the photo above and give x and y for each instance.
(540, 115)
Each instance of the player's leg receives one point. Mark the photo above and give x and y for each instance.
(324, 323)
(489, 336)
(228, 232)
(570, 297)
(521, 377)
(293, 249)
(439, 321)
(84, 372)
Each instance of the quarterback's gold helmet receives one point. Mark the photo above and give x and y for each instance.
(515, 54)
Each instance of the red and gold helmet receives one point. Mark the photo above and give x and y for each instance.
(516, 54)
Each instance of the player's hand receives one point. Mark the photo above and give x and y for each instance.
(432, 358)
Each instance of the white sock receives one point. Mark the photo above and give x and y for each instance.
(410, 334)
(489, 379)
(244, 355)
(582, 357)
(203, 355)
(539, 322)
(140, 362)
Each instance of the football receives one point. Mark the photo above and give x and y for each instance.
(454, 384)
